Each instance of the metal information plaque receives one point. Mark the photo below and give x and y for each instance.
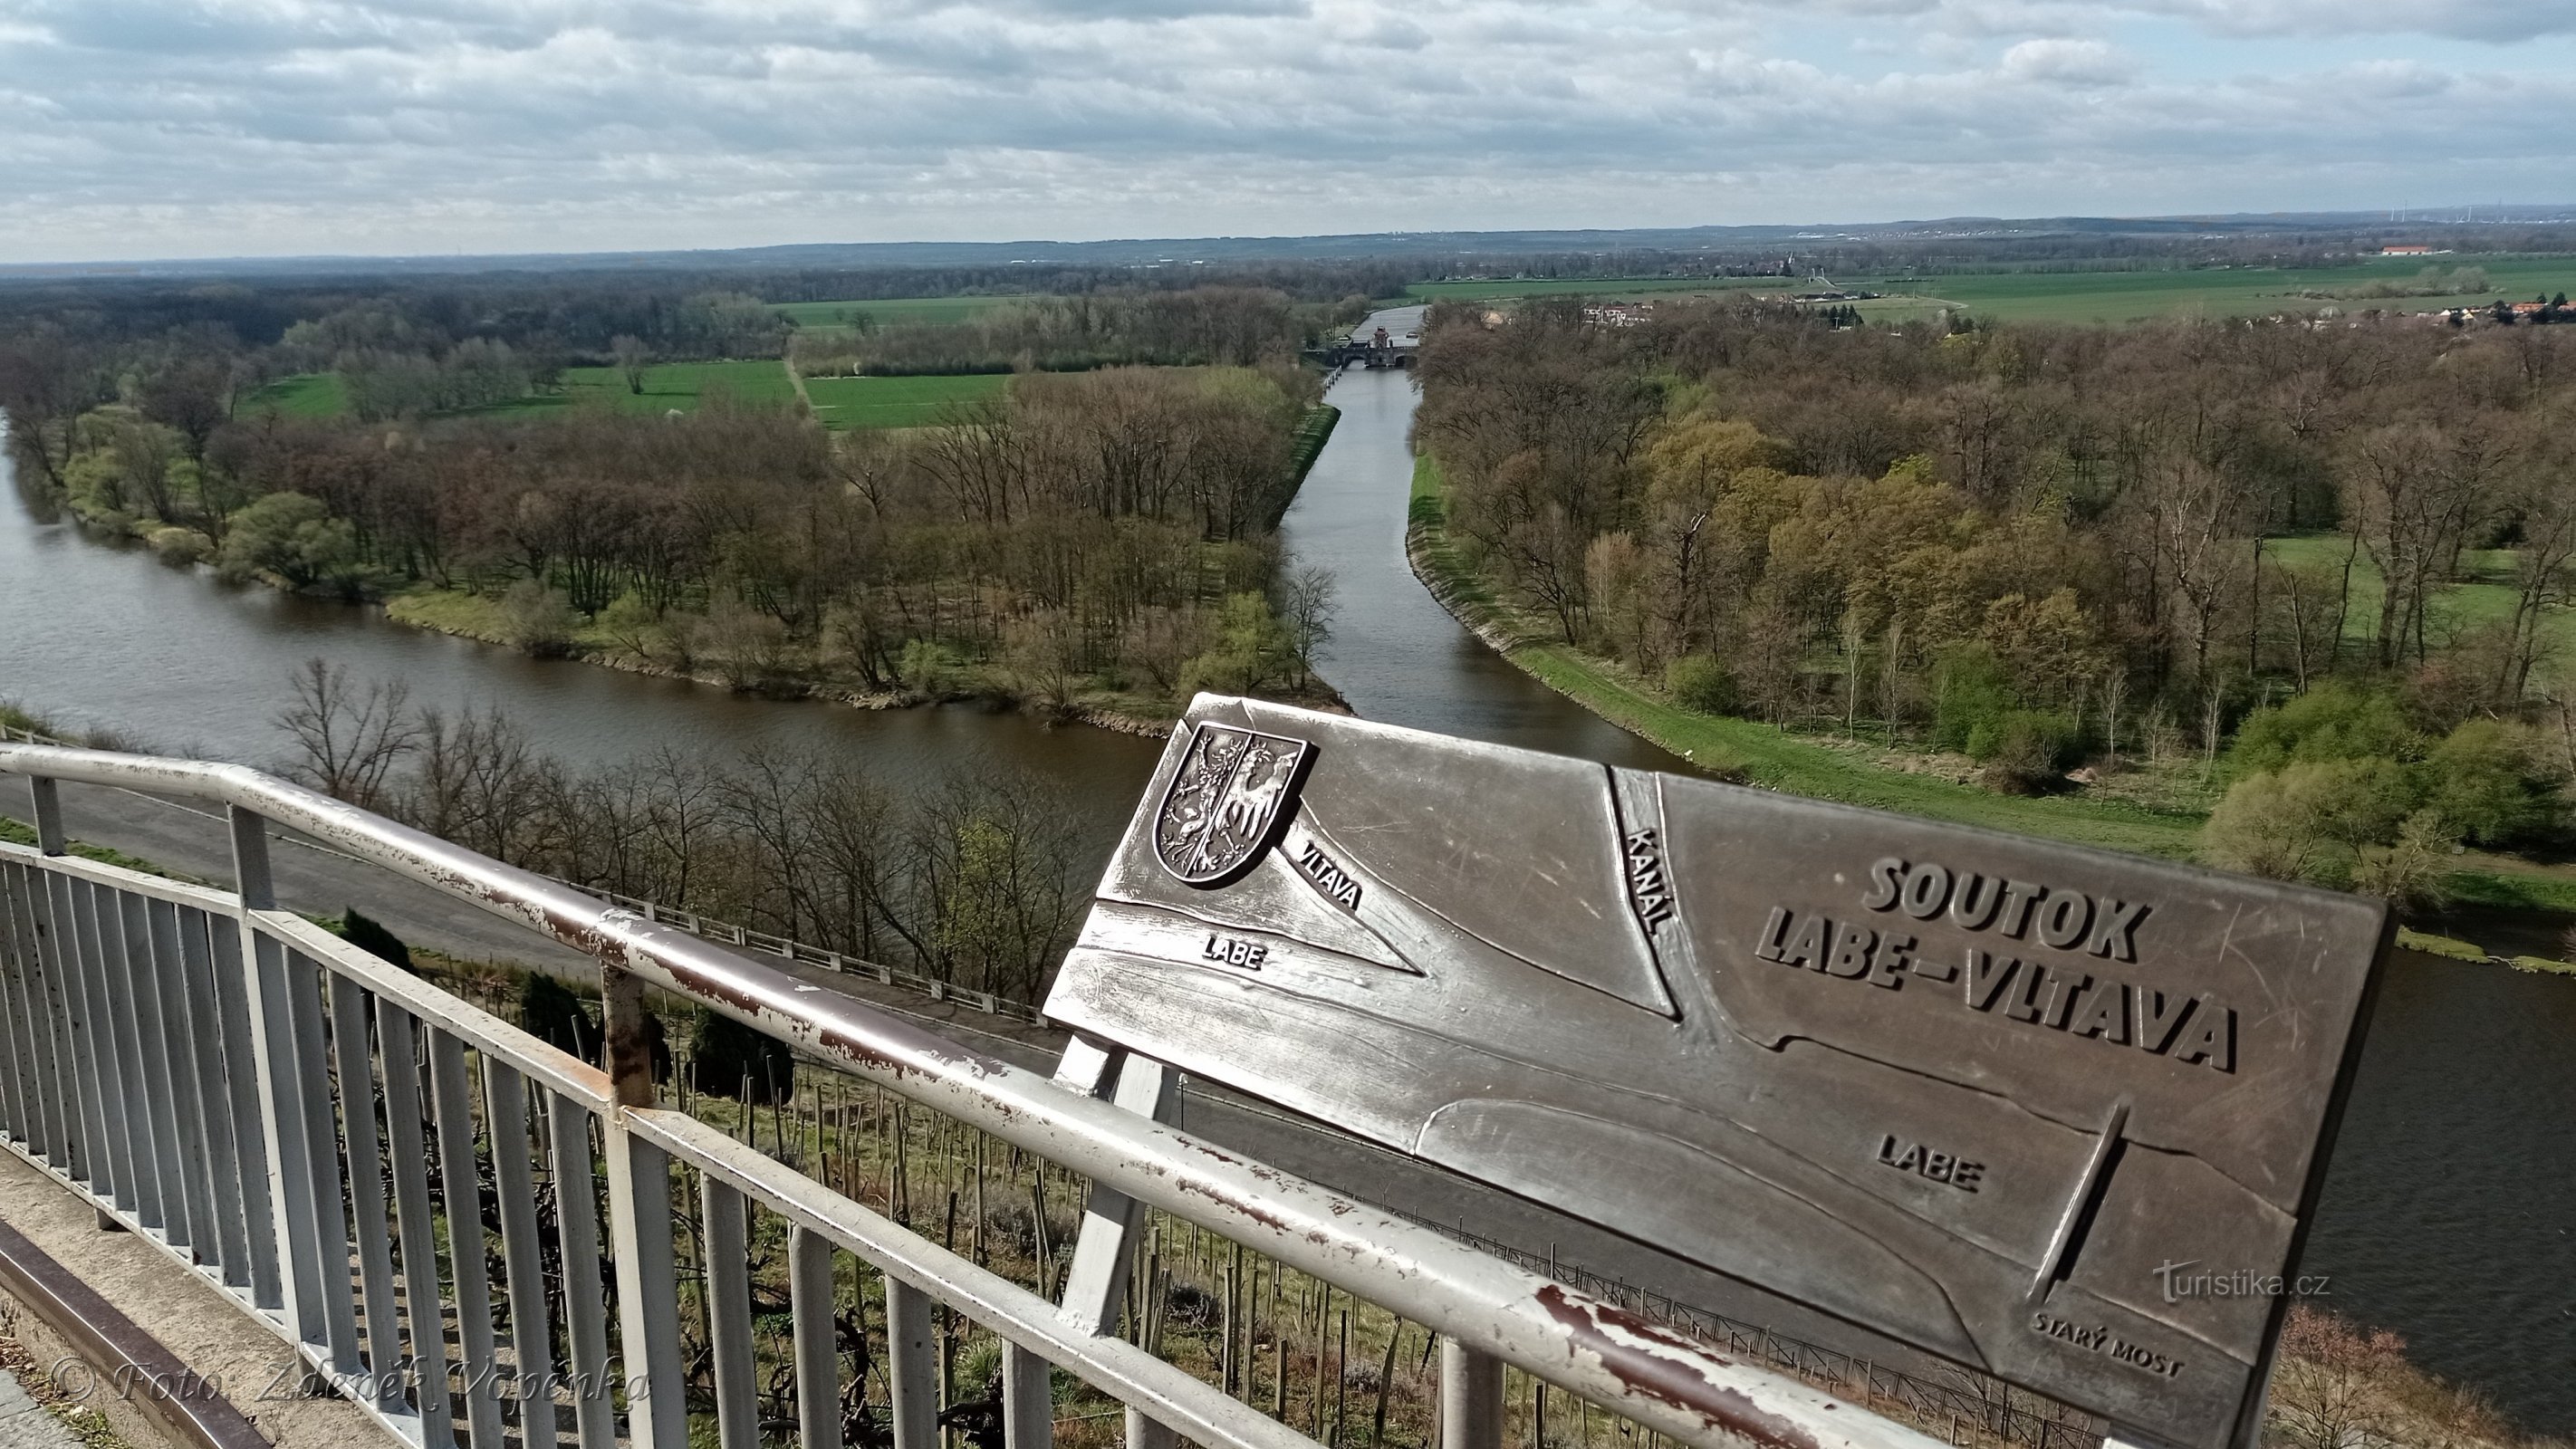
(2007, 1100)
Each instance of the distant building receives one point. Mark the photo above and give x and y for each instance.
(2412, 251)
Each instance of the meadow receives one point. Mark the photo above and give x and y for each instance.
(2484, 596)
(304, 395)
(852, 403)
(883, 311)
(2079, 297)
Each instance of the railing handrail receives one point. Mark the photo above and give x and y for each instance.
(1595, 1349)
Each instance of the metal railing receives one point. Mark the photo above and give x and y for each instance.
(299, 1123)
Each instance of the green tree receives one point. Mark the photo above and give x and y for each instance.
(294, 537)
(2308, 821)
(1698, 682)
(2334, 721)
(1253, 651)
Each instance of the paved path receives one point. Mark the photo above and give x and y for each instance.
(188, 838)
(24, 1423)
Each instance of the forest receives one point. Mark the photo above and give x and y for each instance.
(2233, 548)
(1098, 541)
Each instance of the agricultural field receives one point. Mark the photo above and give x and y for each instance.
(2083, 297)
(847, 404)
(885, 310)
(1604, 288)
(680, 385)
(305, 395)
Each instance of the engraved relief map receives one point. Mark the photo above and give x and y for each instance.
(1962, 1088)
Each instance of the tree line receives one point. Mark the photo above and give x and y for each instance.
(970, 879)
(2039, 545)
(1103, 531)
(1223, 326)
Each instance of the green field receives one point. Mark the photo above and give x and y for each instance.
(681, 385)
(884, 311)
(1508, 289)
(849, 403)
(2486, 596)
(2079, 297)
(305, 395)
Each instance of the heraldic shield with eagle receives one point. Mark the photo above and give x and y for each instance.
(1225, 801)
(1960, 1088)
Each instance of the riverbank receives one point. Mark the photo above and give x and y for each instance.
(486, 620)
(1755, 753)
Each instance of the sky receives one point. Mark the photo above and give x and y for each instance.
(133, 129)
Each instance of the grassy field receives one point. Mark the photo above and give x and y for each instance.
(1826, 769)
(305, 395)
(885, 310)
(2082, 296)
(1509, 289)
(850, 403)
(681, 385)
(2487, 597)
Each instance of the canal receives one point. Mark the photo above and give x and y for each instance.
(2449, 1214)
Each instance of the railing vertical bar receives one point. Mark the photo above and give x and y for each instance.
(17, 1086)
(505, 1121)
(728, 1289)
(585, 1305)
(370, 1213)
(639, 1226)
(124, 1044)
(215, 1172)
(101, 1108)
(810, 1293)
(424, 1313)
(183, 1158)
(49, 1026)
(231, 980)
(310, 1029)
(452, 1103)
(911, 1370)
(146, 990)
(1471, 1397)
(1028, 1400)
(648, 1305)
(1143, 1432)
(274, 1060)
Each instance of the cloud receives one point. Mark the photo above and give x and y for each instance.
(2060, 61)
(177, 127)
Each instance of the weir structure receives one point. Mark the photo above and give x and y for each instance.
(259, 1100)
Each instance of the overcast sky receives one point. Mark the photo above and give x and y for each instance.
(178, 128)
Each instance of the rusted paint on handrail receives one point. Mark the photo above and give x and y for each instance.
(1590, 1347)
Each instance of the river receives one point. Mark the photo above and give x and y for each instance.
(2449, 1213)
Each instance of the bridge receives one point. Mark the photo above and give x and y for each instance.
(467, 1234)
(1376, 350)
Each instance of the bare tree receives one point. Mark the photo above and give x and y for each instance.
(348, 738)
(632, 358)
(1306, 606)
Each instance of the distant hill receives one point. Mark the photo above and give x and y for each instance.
(1155, 252)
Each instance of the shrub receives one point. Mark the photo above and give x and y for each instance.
(180, 545)
(537, 618)
(1252, 651)
(1969, 689)
(1698, 682)
(729, 1059)
(371, 937)
(2027, 746)
(2334, 721)
(550, 1012)
(2487, 783)
(2308, 822)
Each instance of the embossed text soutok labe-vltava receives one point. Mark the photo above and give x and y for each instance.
(1965, 1089)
